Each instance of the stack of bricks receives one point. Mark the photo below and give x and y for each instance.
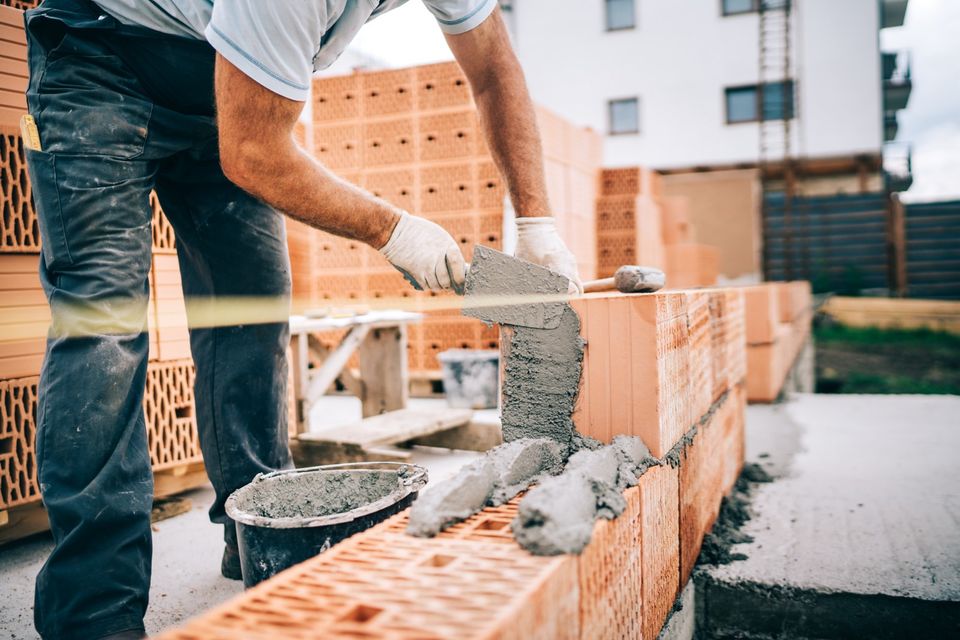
(638, 224)
(412, 137)
(778, 325)
(25, 315)
(644, 356)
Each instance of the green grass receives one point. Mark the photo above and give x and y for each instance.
(854, 360)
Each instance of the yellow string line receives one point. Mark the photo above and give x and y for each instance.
(123, 317)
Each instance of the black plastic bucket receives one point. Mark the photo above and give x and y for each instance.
(289, 516)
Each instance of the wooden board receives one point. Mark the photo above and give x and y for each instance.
(892, 313)
(392, 427)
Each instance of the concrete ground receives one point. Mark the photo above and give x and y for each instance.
(861, 526)
(859, 533)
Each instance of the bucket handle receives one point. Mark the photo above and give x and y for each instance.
(418, 475)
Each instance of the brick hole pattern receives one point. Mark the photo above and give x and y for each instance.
(164, 239)
(168, 405)
(616, 214)
(169, 412)
(615, 250)
(617, 182)
(18, 422)
(610, 576)
(20, 232)
(23, 5)
(388, 92)
(389, 142)
(385, 585)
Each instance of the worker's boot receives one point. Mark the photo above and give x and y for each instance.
(230, 564)
(130, 634)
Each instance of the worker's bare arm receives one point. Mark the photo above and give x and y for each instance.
(258, 154)
(506, 111)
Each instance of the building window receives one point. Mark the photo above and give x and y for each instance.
(736, 7)
(772, 101)
(620, 15)
(624, 116)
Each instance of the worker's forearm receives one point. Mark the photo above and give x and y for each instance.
(290, 181)
(510, 125)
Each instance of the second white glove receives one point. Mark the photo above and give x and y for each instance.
(427, 256)
(538, 242)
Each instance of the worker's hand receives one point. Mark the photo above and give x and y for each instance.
(538, 242)
(426, 255)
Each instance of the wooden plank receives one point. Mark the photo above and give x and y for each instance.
(13, 33)
(11, 16)
(22, 521)
(178, 479)
(392, 427)
(13, 51)
(476, 436)
(17, 68)
(10, 117)
(383, 370)
(323, 377)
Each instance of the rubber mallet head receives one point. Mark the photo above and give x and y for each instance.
(629, 279)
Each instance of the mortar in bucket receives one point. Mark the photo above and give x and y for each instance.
(286, 517)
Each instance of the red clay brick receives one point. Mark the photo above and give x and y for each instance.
(659, 546)
(388, 585)
(691, 264)
(636, 368)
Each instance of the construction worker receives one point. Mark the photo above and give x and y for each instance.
(198, 100)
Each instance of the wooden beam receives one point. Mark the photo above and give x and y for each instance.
(383, 370)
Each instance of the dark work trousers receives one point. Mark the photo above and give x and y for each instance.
(122, 111)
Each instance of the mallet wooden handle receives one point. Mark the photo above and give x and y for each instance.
(629, 279)
(603, 284)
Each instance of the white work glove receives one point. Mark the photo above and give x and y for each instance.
(426, 255)
(538, 242)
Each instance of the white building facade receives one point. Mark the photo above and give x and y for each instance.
(673, 83)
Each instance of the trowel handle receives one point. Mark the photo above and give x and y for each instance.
(603, 284)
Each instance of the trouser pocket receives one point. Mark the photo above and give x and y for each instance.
(42, 168)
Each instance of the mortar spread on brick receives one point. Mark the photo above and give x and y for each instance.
(490, 481)
(543, 354)
(557, 516)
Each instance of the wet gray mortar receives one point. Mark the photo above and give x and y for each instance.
(543, 364)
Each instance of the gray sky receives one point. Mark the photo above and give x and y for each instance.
(931, 122)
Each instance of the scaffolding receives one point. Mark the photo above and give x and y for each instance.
(777, 100)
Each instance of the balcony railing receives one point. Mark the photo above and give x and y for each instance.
(897, 80)
(898, 166)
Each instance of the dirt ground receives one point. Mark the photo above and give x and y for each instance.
(851, 360)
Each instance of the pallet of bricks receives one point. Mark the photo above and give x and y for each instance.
(638, 224)
(668, 367)
(25, 316)
(778, 327)
(412, 137)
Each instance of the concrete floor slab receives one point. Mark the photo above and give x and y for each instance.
(859, 533)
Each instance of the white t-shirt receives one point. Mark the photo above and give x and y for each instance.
(280, 43)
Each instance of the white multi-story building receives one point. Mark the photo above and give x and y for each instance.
(675, 83)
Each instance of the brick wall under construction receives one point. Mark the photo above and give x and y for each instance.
(685, 398)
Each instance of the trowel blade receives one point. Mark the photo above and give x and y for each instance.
(494, 275)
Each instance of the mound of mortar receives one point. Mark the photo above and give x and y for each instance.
(498, 476)
(557, 516)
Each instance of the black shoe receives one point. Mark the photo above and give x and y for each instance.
(230, 565)
(129, 634)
